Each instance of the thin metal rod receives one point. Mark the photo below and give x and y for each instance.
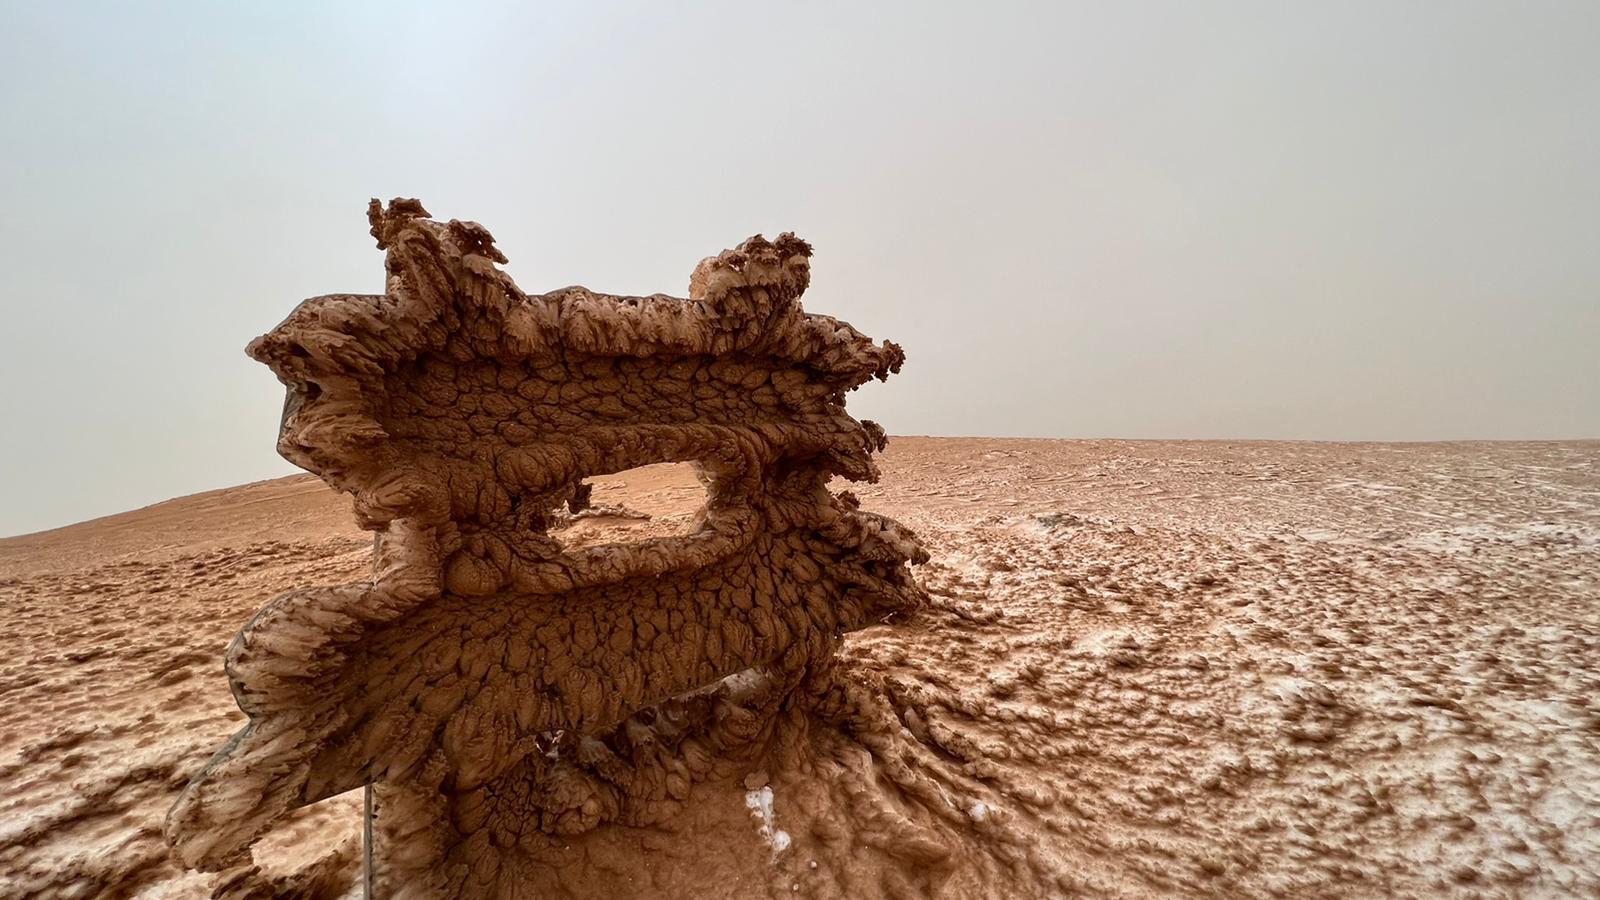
(366, 844)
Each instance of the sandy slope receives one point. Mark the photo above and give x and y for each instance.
(1233, 669)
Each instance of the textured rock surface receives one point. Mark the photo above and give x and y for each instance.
(1145, 669)
(505, 692)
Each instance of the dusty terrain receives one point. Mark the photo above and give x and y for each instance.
(1227, 669)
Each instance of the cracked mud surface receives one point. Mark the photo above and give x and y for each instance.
(1147, 668)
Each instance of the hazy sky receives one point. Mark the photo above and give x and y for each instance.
(1270, 220)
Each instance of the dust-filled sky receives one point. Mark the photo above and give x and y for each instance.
(1226, 220)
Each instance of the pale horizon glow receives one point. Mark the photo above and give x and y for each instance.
(1359, 221)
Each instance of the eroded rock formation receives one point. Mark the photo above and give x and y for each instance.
(505, 694)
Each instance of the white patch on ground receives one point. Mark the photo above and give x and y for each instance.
(1466, 538)
(760, 805)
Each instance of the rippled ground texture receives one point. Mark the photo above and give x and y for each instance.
(1149, 668)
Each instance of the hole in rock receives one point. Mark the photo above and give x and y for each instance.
(654, 501)
(336, 822)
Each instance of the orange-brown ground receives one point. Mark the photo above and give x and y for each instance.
(1231, 669)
